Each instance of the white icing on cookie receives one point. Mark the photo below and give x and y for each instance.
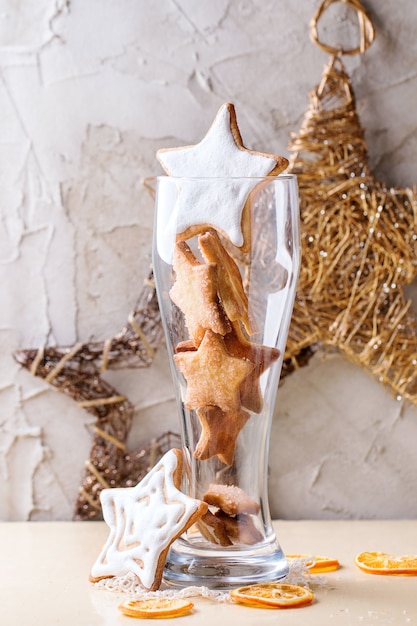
(143, 522)
(216, 202)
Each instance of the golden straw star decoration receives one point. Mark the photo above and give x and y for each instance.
(359, 241)
(77, 371)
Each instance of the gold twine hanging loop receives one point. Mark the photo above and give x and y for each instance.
(367, 31)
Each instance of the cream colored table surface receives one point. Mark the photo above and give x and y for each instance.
(44, 571)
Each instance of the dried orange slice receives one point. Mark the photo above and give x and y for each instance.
(389, 564)
(272, 595)
(316, 564)
(156, 607)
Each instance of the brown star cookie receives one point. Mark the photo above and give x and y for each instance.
(261, 356)
(213, 376)
(219, 434)
(144, 521)
(230, 499)
(195, 293)
(231, 291)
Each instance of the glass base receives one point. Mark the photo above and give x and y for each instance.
(224, 569)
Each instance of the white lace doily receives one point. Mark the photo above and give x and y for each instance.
(298, 574)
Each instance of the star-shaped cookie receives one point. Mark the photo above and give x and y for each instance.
(213, 376)
(230, 285)
(195, 293)
(144, 521)
(219, 433)
(231, 499)
(220, 155)
(259, 355)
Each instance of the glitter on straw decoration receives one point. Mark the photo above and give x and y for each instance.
(77, 372)
(359, 237)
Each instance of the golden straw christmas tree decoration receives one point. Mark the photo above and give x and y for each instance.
(359, 241)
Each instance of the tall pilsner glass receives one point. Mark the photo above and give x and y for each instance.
(226, 379)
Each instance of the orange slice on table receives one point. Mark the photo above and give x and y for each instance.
(389, 564)
(272, 595)
(156, 607)
(316, 564)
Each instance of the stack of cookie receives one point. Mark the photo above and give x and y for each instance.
(212, 218)
(220, 364)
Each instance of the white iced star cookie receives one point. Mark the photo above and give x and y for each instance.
(218, 203)
(144, 521)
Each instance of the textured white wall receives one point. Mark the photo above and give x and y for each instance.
(88, 91)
